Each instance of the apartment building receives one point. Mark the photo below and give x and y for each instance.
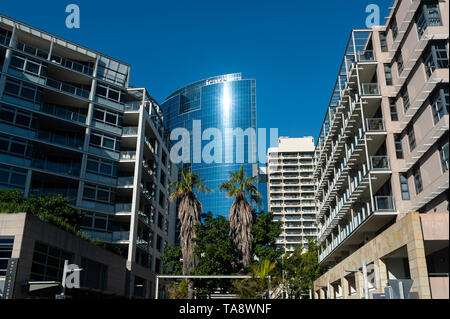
(382, 159)
(291, 190)
(71, 124)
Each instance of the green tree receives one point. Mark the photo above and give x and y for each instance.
(172, 260)
(215, 251)
(240, 187)
(301, 270)
(265, 231)
(259, 286)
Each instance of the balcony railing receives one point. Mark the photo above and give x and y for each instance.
(81, 68)
(371, 89)
(132, 107)
(123, 208)
(63, 113)
(4, 40)
(375, 125)
(365, 56)
(133, 130)
(384, 203)
(125, 181)
(128, 156)
(67, 88)
(71, 169)
(378, 163)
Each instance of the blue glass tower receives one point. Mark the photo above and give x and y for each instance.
(222, 102)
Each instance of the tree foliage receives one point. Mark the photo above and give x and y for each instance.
(265, 231)
(301, 270)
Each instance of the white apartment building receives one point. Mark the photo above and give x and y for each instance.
(290, 190)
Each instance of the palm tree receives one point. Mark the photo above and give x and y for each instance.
(259, 286)
(240, 216)
(189, 211)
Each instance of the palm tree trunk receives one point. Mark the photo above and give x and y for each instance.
(240, 224)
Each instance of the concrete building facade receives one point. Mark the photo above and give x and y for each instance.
(382, 159)
(72, 125)
(291, 189)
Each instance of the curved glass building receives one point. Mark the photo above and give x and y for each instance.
(222, 102)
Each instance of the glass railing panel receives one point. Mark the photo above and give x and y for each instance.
(130, 131)
(128, 156)
(384, 203)
(366, 56)
(375, 125)
(380, 163)
(370, 89)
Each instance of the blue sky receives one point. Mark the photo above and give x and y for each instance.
(292, 48)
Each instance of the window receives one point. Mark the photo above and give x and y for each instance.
(404, 187)
(27, 65)
(98, 193)
(417, 180)
(96, 221)
(429, 16)
(383, 42)
(24, 91)
(11, 177)
(399, 60)
(398, 146)
(101, 167)
(405, 99)
(436, 58)
(106, 92)
(388, 73)
(411, 138)
(393, 108)
(112, 71)
(17, 117)
(439, 104)
(94, 274)
(48, 263)
(6, 247)
(105, 141)
(443, 151)
(15, 147)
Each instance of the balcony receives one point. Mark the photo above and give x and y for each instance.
(375, 125)
(127, 156)
(130, 131)
(368, 219)
(63, 113)
(370, 89)
(67, 88)
(123, 208)
(117, 237)
(70, 169)
(125, 182)
(365, 56)
(380, 163)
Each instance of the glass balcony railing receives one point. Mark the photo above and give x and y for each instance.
(128, 156)
(370, 89)
(379, 163)
(125, 181)
(365, 56)
(54, 138)
(375, 125)
(130, 131)
(123, 208)
(67, 88)
(81, 68)
(63, 113)
(132, 107)
(71, 169)
(384, 203)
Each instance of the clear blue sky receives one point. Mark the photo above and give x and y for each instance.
(292, 48)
